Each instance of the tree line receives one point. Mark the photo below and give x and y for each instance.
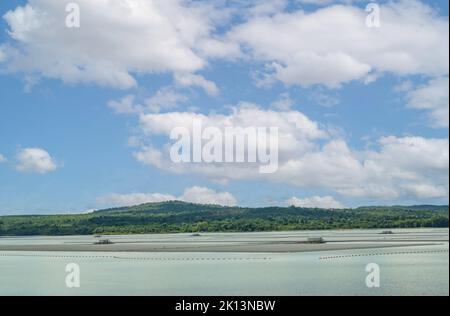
(179, 217)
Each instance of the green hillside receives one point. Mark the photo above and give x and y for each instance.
(179, 217)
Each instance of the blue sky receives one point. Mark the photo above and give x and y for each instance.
(63, 149)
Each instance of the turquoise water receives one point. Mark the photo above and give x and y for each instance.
(404, 271)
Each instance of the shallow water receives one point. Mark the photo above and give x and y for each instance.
(404, 271)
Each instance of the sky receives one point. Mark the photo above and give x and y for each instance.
(90, 92)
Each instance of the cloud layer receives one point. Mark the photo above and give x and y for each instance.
(200, 195)
(183, 37)
(434, 98)
(121, 41)
(302, 48)
(159, 36)
(310, 156)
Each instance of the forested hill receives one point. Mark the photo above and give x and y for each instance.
(179, 217)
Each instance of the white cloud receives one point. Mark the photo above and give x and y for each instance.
(203, 195)
(118, 200)
(404, 86)
(199, 195)
(402, 167)
(267, 7)
(295, 127)
(297, 48)
(323, 98)
(35, 160)
(284, 103)
(191, 80)
(125, 105)
(182, 37)
(2, 53)
(296, 135)
(301, 48)
(164, 99)
(327, 2)
(311, 156)
(2, 158)
(432, 97)
(158, 36)
(327, 202)
(89, 211)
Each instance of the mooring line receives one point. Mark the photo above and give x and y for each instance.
(136, 258)
(385, 254)
(56, 256)
(191, 259)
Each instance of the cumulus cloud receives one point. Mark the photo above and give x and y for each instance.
(159, 36)
(434, 98)
(401, 167)
(296, 128)
(311, 156)
(297, 48)
(182, 37)
(199, 195)
(301, 48)
(35, 160)
(315, 202)
(2, 158)
(296, 134)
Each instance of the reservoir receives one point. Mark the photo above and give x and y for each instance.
(404, 270)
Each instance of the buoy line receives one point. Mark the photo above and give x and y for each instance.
(385, 254)
(134, 258)
(193, 259)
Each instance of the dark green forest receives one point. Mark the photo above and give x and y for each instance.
(179, 217)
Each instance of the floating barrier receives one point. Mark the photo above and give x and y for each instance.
(384, 254)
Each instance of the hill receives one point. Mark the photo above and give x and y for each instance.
(180, 217)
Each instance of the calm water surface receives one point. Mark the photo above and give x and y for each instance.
(404, 271)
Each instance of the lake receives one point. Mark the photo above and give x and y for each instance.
(420, 270)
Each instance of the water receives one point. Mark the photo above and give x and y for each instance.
(404, 271)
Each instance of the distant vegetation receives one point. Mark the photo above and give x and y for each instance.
(179, 217)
